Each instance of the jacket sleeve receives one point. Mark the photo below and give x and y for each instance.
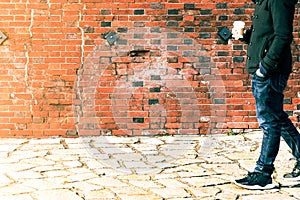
(282, 12)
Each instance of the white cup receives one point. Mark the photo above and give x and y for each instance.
(238, 29)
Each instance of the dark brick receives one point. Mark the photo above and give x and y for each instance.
(138, 84)
(153, 101)
(238, 47)
(122, 30)
(138, 120)
(206, 12)
(172, 24)
(204, 59)
(105, 24)
(139, 12)
(287, 101)
(222, 53)
(173, 59)
(172, 48)
(189, 6)
(239, 11)
(221, 6)
(105, 12)
(172, 35)
(204, 35)
(223, 17)
(89, 30)
(173, 12)
(189, 29)
(155, 29)
(289, 112)
(155, 77)
(219, 101)
(188, 41)
(238, 59)
(155, 89)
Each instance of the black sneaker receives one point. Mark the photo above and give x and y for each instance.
(255, 181)
(295, 174)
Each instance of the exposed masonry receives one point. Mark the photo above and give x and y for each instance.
(59, 57)
(79, 72)
(27, 46)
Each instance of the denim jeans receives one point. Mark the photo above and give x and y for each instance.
(268, 93)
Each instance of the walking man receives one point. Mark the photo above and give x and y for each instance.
(269, 61)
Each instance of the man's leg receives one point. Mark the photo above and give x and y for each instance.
(269, 110)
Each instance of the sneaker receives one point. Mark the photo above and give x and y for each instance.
(255, 181)
(295, 174)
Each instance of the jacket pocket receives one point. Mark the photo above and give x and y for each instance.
(266, 46)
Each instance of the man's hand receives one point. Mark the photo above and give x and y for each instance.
(259, 74)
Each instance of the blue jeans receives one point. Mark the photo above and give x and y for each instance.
(268, 93)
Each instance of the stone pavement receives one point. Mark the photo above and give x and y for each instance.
(129, 168)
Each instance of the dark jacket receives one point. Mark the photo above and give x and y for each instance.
(271, 36)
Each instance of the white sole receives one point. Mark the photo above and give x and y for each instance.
(292, 179)
(256, 187)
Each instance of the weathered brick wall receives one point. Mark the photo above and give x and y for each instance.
(90, 67)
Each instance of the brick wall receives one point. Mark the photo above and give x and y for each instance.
(90, 67)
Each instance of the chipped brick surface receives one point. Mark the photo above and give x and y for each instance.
(164, 70)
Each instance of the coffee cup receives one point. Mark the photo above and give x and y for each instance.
(238, 29)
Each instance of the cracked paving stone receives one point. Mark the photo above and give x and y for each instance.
(84, 186)
(17, 167)
(247, 165)
(68, 152)
(205, 181)
(232, 188)
(171, 192)
(201, 192)
(22, 155)
(44, 141)
(28, 174)
(138, 197)
(145, 184)
(228, 170)
(38, 162)
(214, 159)
(72, 164)
(81, 177)
(293, 191)
(56, 173)
(41, 147)
(113, 172)
(134, 177)
(117, 150)
(164, 176)
(135, 164)
(43, 184)
(128, 157)
(15, 189)
(274, 196)
(226, 195)
(58, 158)
(172, 182)
(131, 190)
(4, 180)
(111, 163)
(99, 194)
(245, 155)
(144, 147)
(57, 194)
(8, 147)
(17, 197)
(107, 182)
